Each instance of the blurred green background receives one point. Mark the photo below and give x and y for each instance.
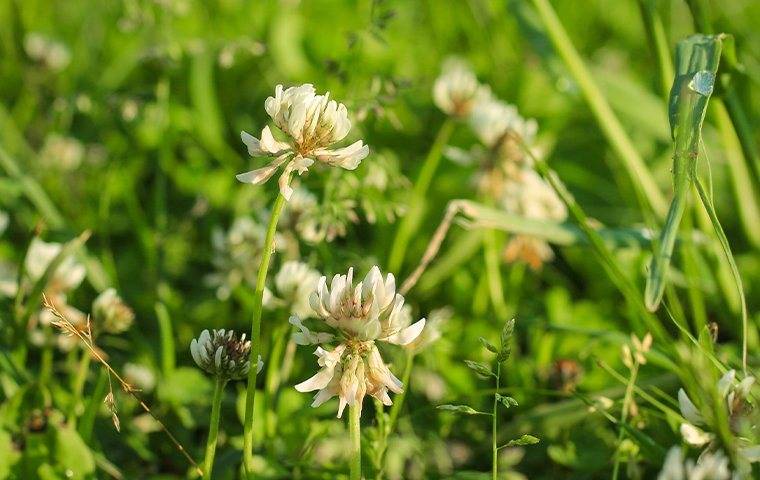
(123, 118)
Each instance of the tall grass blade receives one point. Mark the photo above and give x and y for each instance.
(697, 59)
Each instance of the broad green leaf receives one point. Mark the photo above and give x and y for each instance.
(72, 455)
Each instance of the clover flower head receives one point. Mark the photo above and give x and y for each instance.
(709, 466)
(457, 90)
(294, 283)
(312, 123)
(110, 310)
(359, 315)
(492, 120)
(223, 353)
(734, 394)
(66, 277)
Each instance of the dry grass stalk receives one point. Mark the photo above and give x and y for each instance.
(85, 336)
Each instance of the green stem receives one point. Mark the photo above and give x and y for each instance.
(494, 425)
(399, 400)
(213, 427)
(638, 172)
(46, 365)
(412, 219)
(258, 297)
(624, 414)
(166, 333)
(78, 384)
(273, 378)
(354, 427)
(493, 272)
(658, 42)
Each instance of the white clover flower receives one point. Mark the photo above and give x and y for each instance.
(223, 354)
(111, 312)
(360, 315)
(492, 120)
(709, 466)
(734, 395)
(67, 276)
(312, 123)
(294, 283)
(457, 90)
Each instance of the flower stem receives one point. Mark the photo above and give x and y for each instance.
(412, 219)
(213, 427)
(494, 436)
(354, 427)
(258, 297)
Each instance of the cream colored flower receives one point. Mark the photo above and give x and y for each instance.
(110, 311)
(457, 90)
(493, 120)
(223, 353)
(312, 123)
(67, 276)
(360, 315)
(734, 396)
(294, 283)
(709, 466)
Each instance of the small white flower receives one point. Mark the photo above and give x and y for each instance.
(66, 277)
(111, 311)
(694, 435)
(689, 411)
(457, 90)
(709, 466)
(313, 123)
(493, 120)
(360, 315)
(222, 353)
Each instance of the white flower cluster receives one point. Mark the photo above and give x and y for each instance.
(223, 353)
(735, 397)
(506, 174)
(710, 466)
(312, 123)
(110, 312)
(293, 284)
(359, 315)
(66, 277)
(457, 90)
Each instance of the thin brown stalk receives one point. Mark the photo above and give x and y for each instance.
(85, 337)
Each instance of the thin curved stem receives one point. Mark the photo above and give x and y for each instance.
(213, 428)
(494, 426)
(258, 297)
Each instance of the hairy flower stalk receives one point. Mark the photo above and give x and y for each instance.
(227, 357)
(359, 315)
(312, 123)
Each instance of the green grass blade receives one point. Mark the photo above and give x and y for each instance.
(637, 170)
(697, 59)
